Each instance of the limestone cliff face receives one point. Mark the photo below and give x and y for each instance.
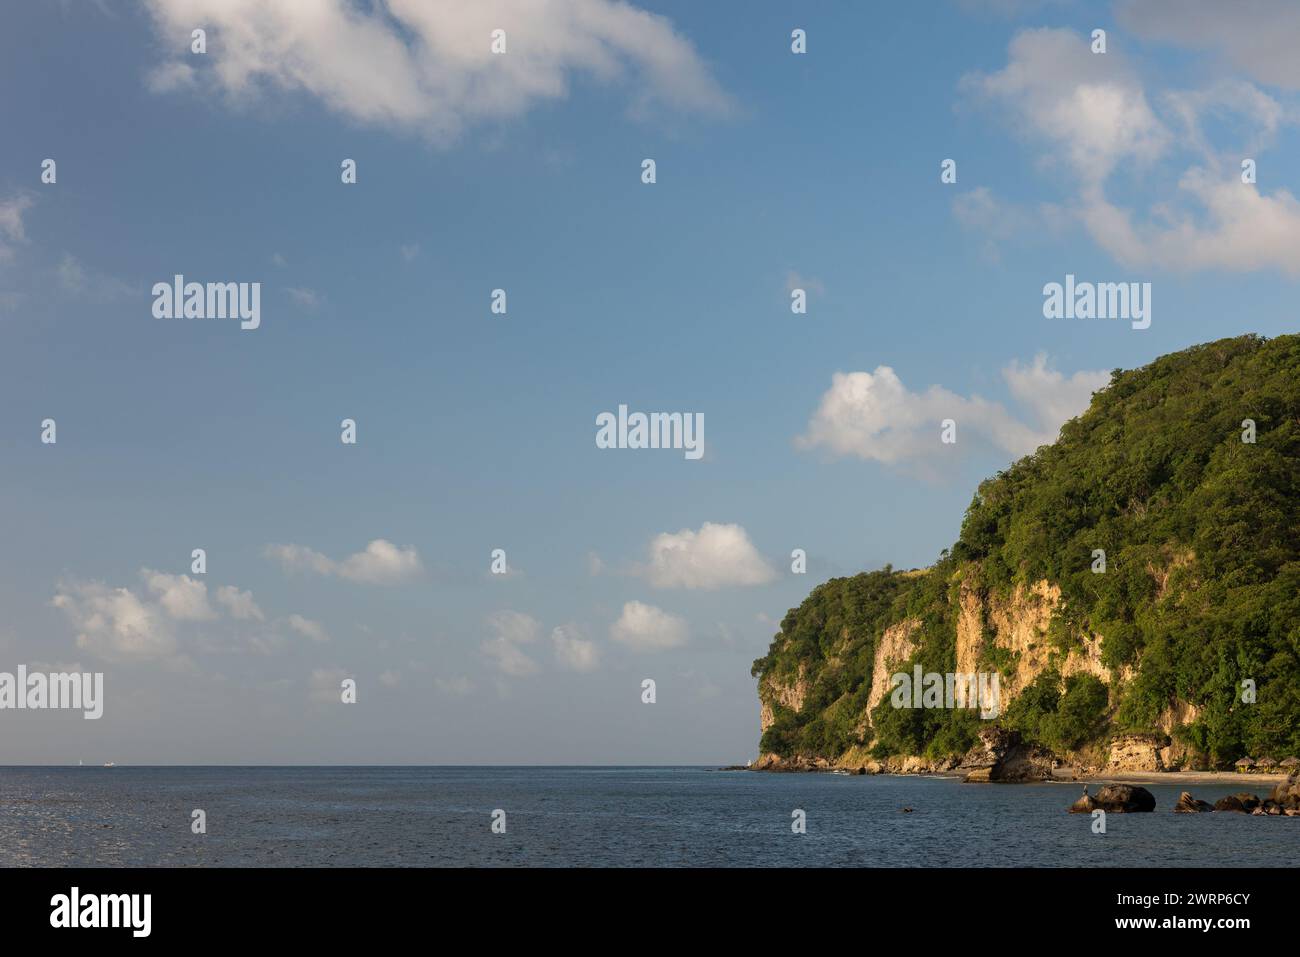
(894, 648)
(1004, 632)
(789, 693)
(1138, 752)
(1019, 625)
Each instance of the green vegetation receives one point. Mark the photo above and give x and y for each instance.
(1201, 533)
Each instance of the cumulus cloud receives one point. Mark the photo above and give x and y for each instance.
(115, 623)
(427, 65)
(646, 628)
(121, 623)
(717, 556)
(12, 230)
(381, 563)
(512, 630)
(182, 597)
(1051, 397)
(1092, 116)
(1241, 229)
(573, 651)
(1092, 108)
(307, 628)
(239, 604)
(874, 416)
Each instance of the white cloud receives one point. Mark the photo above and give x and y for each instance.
(1049, 395)
(717, 556)
(302, 558)
(874, 416)
(182, 597)
(114, 622)
(390, 678)
(573, 651)
(514, 626)
(426, 65)
(508, 657)
(307, 298)
(11, 223)
(82, 283)
(1241, 229)
(1092, 114)
(239, 604)
(381, 563)
(1091, 107)
(512, 630)
(307, 628)
(647, 628)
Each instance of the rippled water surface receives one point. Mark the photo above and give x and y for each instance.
(324, 817)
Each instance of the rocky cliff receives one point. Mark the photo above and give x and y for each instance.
(1134, 587)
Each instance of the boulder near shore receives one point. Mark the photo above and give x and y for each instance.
(1283, 802)
(1116, 799)
(1190, 805)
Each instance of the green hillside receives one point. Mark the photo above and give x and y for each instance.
(1200, 593)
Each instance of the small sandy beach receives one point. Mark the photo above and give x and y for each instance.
(1247, 781)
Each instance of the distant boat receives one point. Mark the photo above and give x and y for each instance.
(109, 764)
(80, 763)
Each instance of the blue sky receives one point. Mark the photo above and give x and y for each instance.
(476, 431)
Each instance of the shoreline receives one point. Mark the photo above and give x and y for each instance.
(1066, 776)
(1188, 777)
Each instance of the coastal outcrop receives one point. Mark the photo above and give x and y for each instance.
(1104, 586)
(1004, 756)
(1283, 801)
(1190, 805)
(1137, 753)
(1116, 799)
(1241, 802)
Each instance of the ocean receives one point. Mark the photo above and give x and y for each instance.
(597, 817)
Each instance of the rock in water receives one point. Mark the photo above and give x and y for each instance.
(1125, 799)
(1190, 805)
(1085, 805)
(1287, 794)
(1002, 755)
(1242, 802)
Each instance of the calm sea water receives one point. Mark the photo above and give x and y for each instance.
(663, 817)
